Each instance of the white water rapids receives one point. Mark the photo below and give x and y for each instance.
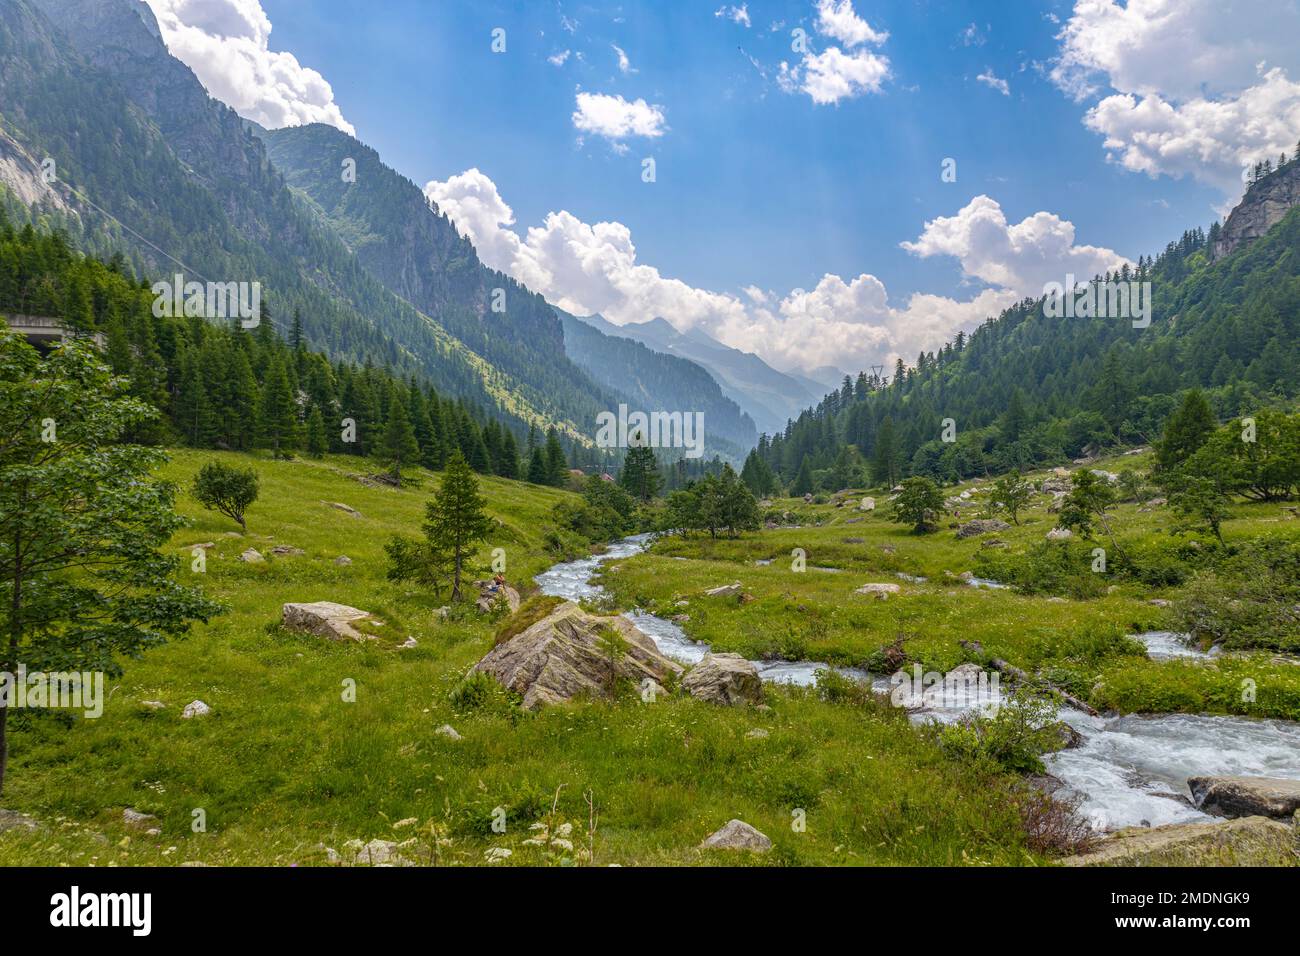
(1128, 771)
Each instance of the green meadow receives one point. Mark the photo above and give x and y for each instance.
(285, 767)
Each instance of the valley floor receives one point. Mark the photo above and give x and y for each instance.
(285, 766)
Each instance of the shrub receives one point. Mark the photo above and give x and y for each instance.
(1014, 738)
(228, 490)
(1048, 567)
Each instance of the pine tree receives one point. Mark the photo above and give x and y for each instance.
(557, 468)
(277, 413)
(884, 463)
(509, 467)
(803, 482)
(640, 474)
(397, 444)
(1185, 432)
(455, 522)
(317, 442)
(537, 473)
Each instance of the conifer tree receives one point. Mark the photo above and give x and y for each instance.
(557, 468)
(317, 442)
(397, 445)
(277, 412)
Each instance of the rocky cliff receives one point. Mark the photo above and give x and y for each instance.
(1263, 207)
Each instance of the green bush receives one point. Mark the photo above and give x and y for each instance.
(1014, 738)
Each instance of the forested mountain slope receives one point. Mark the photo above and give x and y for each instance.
(416, 252)
(1025, 388)
(147, 163)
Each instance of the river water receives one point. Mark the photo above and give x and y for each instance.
(1128, 771)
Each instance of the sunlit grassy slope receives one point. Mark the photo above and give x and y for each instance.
(285, 765)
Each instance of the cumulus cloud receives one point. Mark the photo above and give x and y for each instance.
(738, 15)
(848, 323)
(834, 74)
(990, 79)
(1021, 258)
(615, 118)
(1187, 87)
(227, 45)
(838, 20)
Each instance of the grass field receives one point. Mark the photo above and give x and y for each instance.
(814, 613)
(285, 766)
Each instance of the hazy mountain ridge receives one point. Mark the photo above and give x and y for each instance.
(770, 397)
(655, 380)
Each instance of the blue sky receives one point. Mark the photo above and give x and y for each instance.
(757, 183)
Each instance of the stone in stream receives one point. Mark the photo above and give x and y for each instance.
(724, 679)
(326, 619)
(1249, 841)
(737, 835)
(1246, 796)
(568, 652)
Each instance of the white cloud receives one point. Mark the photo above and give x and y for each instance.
(973, 36)
(616, 118)
(738, 15)
(833, 75)
(1211, 140)
(847, 323)
(838, 20)
(558, 59)
(624, 64)
(1189, 87)
(226, 44)
(1021, 258)
(988, 78)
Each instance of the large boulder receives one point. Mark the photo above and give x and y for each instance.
(326, 619)
(868, 504)
(880, 592)
(737, 835)
(567, 653)
(1246, 796)
(487, 599)
(981, 526)
(724, 679)
(1250, 841)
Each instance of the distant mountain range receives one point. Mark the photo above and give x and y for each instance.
(770, 397)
